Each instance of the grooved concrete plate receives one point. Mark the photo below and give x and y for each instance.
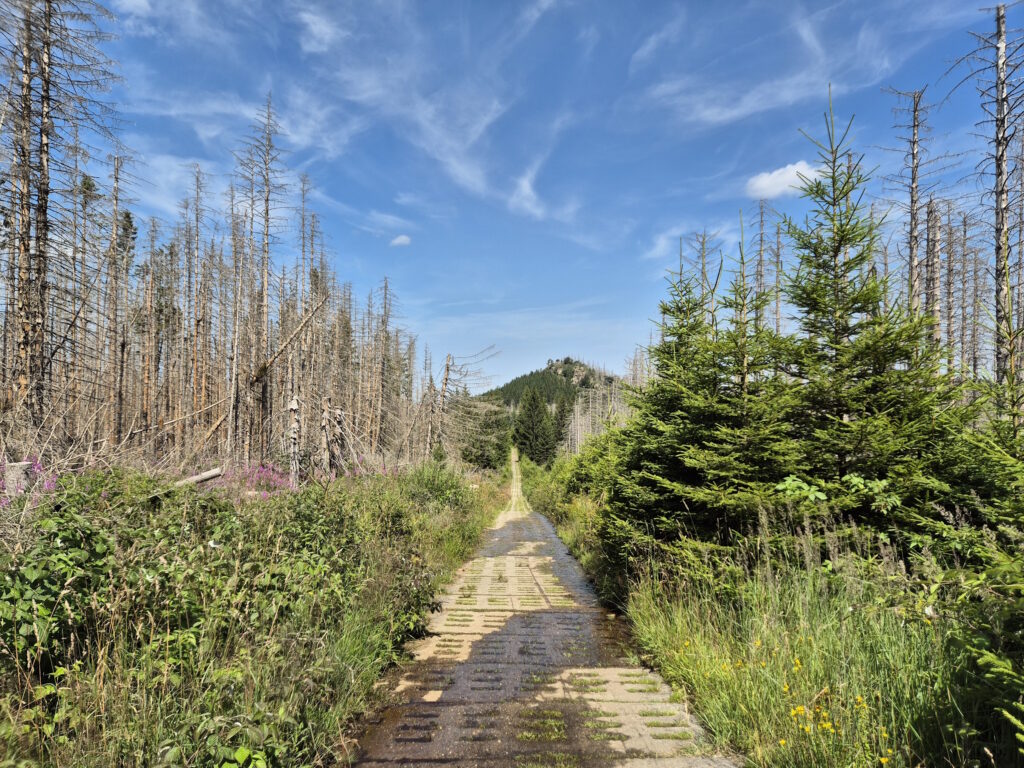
(523, 669)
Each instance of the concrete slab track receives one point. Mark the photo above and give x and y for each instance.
(523, 668)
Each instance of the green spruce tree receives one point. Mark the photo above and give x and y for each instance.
(878, 418)
(563, 414)
(710, 436)
(534, 432)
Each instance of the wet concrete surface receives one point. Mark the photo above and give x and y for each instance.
(523, 668)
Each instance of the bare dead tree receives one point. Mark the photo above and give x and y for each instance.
(932, 271)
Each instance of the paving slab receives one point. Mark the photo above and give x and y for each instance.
(522, 668)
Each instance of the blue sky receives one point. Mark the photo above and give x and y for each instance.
(522, 171)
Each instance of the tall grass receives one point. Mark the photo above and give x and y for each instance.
(801, 651)
(144, 626)
(806, 668)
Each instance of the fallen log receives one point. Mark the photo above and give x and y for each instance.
(202, 477)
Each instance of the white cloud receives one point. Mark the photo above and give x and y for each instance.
(696, 101)
(389, 67)
(524, 198)
(668, 34)
(310, 122)
(531, 15)
(388, 221)
(588, 37)
(446, 123)
(781, 182)
(666, 242)
(135, 7)
(400, 240)
(377, 223)
(319, 32)
(176, 176)
(858, 59)
(808, 35)
(188, 19)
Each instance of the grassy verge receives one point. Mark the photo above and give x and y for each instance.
(145, 626)
(798, 661)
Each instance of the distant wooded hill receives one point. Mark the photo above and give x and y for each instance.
(560, 379)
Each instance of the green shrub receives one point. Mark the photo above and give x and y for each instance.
(145, 625)
(775, 638)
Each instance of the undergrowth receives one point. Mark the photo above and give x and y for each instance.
(142, 625)
(809, 648)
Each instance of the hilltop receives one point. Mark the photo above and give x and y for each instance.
(559, 379)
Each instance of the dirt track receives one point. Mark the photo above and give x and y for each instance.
(523, 668)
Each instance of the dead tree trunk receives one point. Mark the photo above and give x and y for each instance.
(293, 442)
(325, 437)
(914, 288)
(27, 386)
(932, 272)
(949, 277)
(1003, 333)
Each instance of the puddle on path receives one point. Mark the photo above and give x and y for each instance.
(522, 668)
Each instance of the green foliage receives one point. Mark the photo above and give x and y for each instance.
(560, 380)
(150, 626)
(711, 434)
(835, 482)
(812, 666)
(534, 430)
(803, 648)
(490, 439)
(563, 414)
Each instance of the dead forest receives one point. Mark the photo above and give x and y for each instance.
(222, 336)
(227, 336)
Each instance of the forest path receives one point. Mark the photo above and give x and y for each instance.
(523, 668)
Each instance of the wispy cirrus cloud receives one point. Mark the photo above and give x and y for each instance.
(223, 118)
(319, 30)
(852, 62)
(447, 113)
(666, 35)
(374, 222)
(525, 200)
(189, 20)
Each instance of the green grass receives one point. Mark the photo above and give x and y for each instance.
(208, 629)
(805, 670)
(799, 662)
